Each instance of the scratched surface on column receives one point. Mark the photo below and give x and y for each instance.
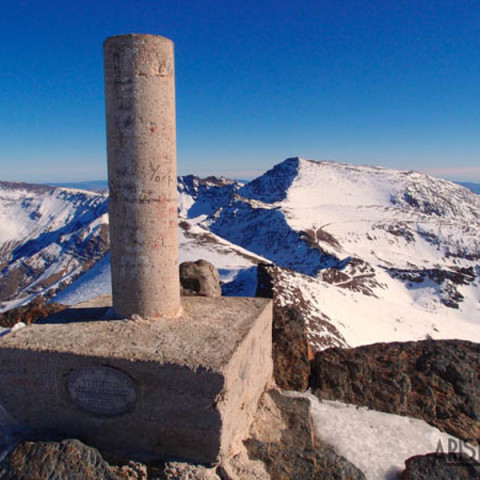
(141, 140)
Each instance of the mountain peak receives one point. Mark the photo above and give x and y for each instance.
(273, 185)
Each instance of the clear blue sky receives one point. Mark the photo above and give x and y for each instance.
(385, 82)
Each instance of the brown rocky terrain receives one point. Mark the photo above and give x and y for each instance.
(441, 467)
(291, 349)
(65, 460)
(37, 309)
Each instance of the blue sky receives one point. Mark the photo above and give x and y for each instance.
(391, 83)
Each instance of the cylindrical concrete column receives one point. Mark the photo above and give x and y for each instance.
(141, 145)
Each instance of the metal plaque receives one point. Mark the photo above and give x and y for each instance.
(102, 390)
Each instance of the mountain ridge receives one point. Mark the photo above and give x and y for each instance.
(398, 248)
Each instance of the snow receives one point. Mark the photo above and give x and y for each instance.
(354, 203)
(10, 228)
(185, 202)
(202, 244)
(15, 328)
(310, 217)
(394, 314)
(377, 443)
(46, 234)
(94, 283)
(230, 260)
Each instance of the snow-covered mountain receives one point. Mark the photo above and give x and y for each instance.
(381, 254)
(48, 237)
(367, 254)
(54, 241)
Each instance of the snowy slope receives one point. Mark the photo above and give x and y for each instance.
(378, 443)
(381, 254)
(51, 236)
(393, 313)
(367, 254)
(385, 216)
(48, 236)
(198, 198)
(236, 266)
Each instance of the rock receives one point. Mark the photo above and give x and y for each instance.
(37, 309)
(240, 467)
(434, 380)
(186, 471)
(282, 437)
(65, 460)
(199, 278)
(291, 365)
(291, 362)
(281, 446)
(441, 466)
(131, 471)
(448, 281)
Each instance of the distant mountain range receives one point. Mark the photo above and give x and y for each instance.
(365, 254)
(93, 185)
(102, 185)
(474, 187)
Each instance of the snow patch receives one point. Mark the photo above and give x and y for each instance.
(377, 443)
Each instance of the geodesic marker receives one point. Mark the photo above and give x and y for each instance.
(141, 144)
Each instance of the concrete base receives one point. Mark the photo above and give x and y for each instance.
(185, 388)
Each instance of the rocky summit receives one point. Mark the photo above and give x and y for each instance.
(372, 272)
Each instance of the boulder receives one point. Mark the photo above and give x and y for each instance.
(186, 471)
(441, 466)
(65, 460)
(434, 380)
(131, 471)
(199, 278)
(238, 467)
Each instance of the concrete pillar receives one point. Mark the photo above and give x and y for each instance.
(141, 145)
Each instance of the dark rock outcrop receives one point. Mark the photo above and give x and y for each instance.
(65, 460)
(448, 281)
(290, 349)
(37, 309)
(199, 278)
(446, 466)
(291, 353)
(437, 381)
